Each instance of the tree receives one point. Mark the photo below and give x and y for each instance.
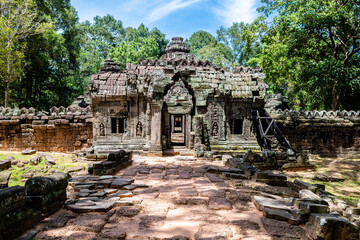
(243, 40)
(317, 46)
(199, 40)
(19, 19)
(142, 48)
(52, 74)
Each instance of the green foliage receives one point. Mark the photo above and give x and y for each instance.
(19, 19)
(200, 39)
(243, 40)
(107, 37)
(311, 52)
(63, 162)
(141, 48)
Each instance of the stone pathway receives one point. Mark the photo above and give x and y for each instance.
(182, 201)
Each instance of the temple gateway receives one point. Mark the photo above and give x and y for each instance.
(175, 104)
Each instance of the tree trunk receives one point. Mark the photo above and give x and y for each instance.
(335, 98)
(6, 94)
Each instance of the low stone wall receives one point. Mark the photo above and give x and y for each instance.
(61, 129)
(23, 207)
(325, 133)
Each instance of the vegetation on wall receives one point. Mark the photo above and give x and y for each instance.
(309, 50)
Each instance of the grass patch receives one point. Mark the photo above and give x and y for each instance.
(19, 174)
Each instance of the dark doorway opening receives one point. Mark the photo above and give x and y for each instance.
(177, 123)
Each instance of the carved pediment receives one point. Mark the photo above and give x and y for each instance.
(178, 98)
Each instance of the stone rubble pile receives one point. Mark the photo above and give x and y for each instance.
(115, 161)
(314, 209)
(101, 193)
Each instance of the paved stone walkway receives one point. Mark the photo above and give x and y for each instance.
(181, 202)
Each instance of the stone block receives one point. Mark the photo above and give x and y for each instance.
(307, 194)
(47, 203)
(329, 226)
(14, 223)
(271, 178)
(4, 179)
(263, 202)
(234, 175)
(11, 198)
(43, 185)
(280, 215)
(5, 164)
(310, 207)
(28, 152)
(35, 160)
(298, 185)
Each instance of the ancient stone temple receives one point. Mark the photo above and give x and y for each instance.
(175, 102)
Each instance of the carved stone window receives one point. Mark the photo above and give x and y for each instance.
(237, 126)
(118, 125)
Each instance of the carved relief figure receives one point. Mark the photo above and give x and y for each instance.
(139, 129)
(102, 129)
(214, 129)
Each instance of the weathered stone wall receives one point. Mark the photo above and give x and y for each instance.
(61, 129)
(326, 133)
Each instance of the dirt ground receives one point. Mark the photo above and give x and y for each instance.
(181, 202)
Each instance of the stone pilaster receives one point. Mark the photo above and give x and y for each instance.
(155, 141)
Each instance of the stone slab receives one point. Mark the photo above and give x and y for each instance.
(263, 202)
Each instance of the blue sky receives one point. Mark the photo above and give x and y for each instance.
(172, 17)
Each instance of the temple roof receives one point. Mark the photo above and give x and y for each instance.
(153, 75)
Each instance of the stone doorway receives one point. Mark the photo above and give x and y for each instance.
(178, 128)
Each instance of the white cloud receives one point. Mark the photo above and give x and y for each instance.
(231, 11)
(167, 8)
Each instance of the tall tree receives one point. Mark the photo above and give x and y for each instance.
(205, 47)
(51, 76)
(243, 39)
(317, 46)
(199, 40)
(141, 48)
(19, 19)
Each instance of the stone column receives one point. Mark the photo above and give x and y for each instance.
(155, 142)
(148, 123)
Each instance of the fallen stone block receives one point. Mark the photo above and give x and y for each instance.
(263, 202)
(79, 187)
(28, 152)
(328, 227)
(14, 223)
(234, 175)
(4, 179)
(280, 215)
(307, 194)
(297, 201)
(5, 164)
(299, 185)
(49, 159)
(43, 185)
(91, 206)
(47, 194)
(271, 178)
(11, 198)
(313, 207)
(119, 183)
(75, 169)
(35, 160)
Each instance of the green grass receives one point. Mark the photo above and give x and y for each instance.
(63, 162)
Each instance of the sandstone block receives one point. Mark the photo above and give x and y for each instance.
(11, 198)
(4, 179)
(328, 227)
